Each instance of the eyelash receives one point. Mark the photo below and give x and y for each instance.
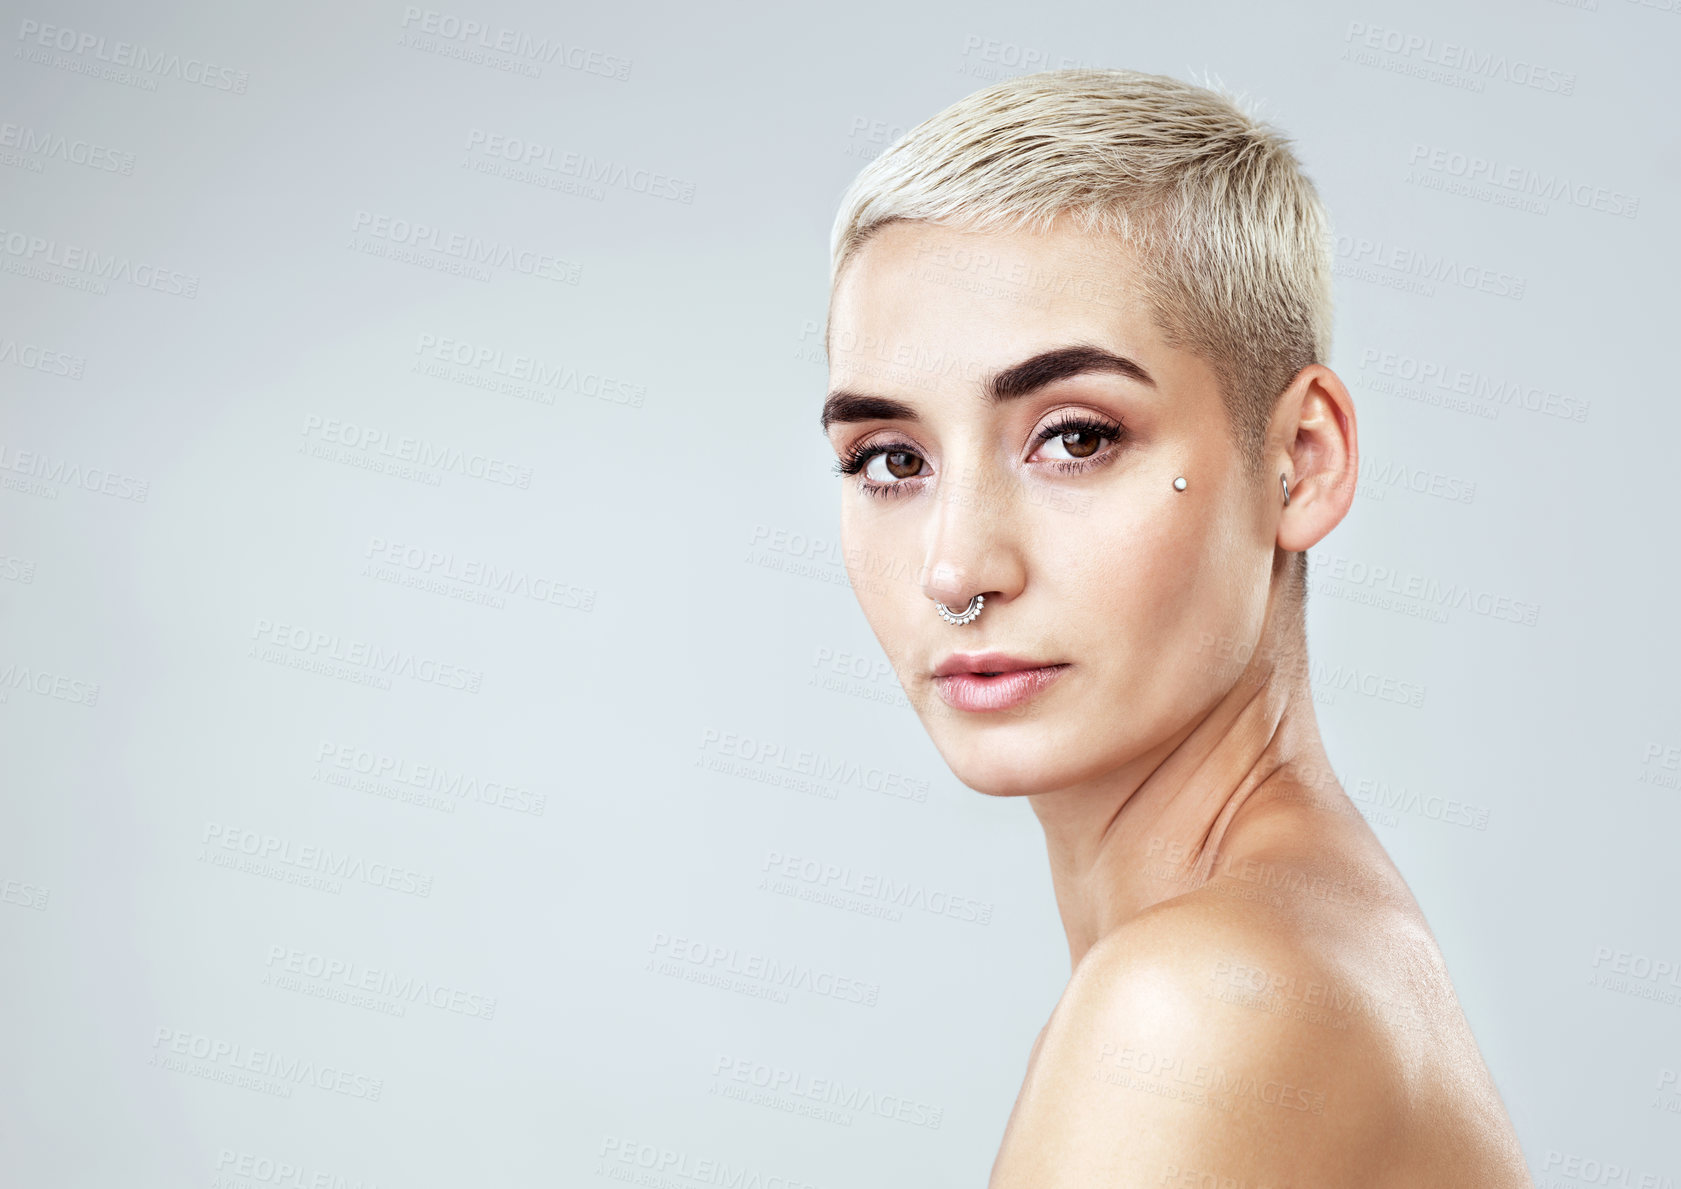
(857, 458)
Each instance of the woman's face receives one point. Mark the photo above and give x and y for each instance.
(1049, 489)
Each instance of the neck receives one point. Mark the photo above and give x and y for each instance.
(1156, 828)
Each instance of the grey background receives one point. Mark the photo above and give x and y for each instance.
(702, 645)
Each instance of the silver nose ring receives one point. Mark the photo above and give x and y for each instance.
(968, 615)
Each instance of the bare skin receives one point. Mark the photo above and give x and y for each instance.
(1256, 999)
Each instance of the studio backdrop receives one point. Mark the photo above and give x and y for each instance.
(441, 746)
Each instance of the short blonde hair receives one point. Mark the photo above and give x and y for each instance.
(1234, 245)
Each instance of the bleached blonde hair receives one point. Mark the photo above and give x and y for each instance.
(1232, 242)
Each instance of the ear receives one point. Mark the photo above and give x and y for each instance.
(1314, 444)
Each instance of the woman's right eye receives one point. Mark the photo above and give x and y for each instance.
(892, 465)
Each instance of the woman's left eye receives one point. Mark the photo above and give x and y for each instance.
(1074, 441)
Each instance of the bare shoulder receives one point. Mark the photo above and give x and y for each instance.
(1227, 1041)
(1210, 1043)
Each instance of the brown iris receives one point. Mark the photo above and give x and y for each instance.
(902, 464)
(1087, 443)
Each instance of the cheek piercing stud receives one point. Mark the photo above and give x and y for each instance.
(1179, 483)
(1286, 483)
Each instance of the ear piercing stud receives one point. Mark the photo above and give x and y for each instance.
(1179, 483)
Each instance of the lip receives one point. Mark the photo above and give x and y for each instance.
(991, 681)
(985, 662)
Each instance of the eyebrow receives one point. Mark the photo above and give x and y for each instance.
(1011, 383)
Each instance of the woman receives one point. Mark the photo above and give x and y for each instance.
(1086, 433)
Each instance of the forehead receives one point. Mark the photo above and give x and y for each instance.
(920, 295)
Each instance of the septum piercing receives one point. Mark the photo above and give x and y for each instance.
(968, 615)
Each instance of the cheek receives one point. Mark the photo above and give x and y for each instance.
(882, 565)
(1153, 580)
(1121, 559)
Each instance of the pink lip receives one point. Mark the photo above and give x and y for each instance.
(985, 662)
(990, 681)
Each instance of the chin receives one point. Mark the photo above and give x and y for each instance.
(1001, 764)
(996, 781)
(1040, 750)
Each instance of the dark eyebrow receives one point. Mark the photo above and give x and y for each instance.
(1012, 383)
(1030, 375)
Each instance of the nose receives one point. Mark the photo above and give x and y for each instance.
(972, 549)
